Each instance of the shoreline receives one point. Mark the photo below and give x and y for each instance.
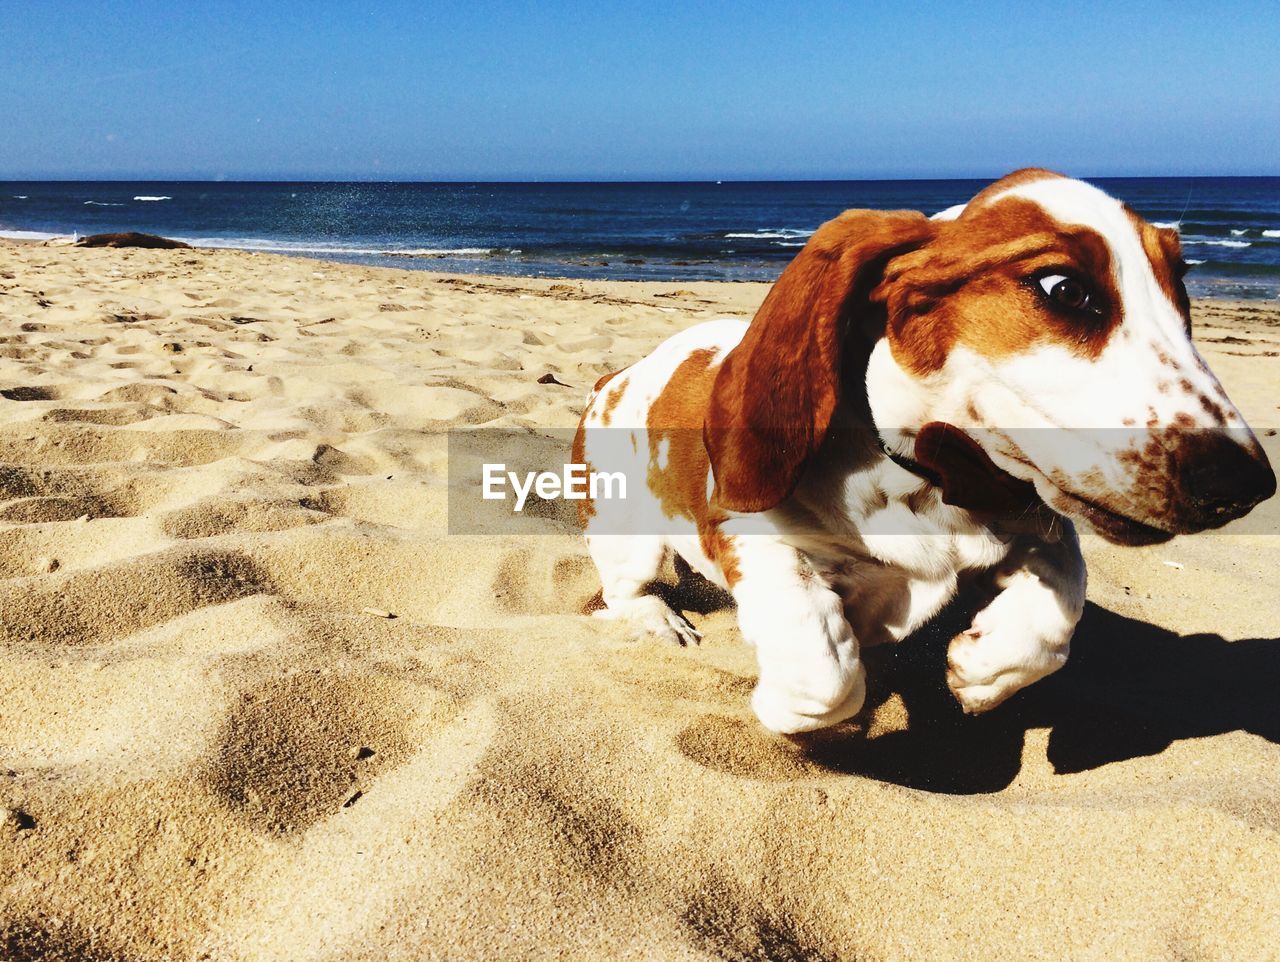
(64, 241)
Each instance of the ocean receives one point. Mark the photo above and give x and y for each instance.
(634, 231)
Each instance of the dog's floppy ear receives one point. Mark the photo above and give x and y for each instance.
(774, 395)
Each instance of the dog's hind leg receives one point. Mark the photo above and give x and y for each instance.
(628, 566)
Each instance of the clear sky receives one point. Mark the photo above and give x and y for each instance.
(635, 90)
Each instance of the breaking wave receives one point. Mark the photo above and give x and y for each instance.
(781, 233)
(1221, 243)
(268, 245)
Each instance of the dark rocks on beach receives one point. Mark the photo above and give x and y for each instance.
(550, 379)
(130, 238)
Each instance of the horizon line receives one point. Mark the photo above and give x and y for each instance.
(598, 180)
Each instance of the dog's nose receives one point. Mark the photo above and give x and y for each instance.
(1222, 479)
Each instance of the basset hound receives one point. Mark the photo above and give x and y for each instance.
(920, 400)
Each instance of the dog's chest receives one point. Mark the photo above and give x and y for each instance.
(887, 516)
(895, 558)
(936, 554)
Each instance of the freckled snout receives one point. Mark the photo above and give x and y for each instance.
(1220, 478)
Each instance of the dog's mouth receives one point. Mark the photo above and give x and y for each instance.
(1115, 527)
(971, 480)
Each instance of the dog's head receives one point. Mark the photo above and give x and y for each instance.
(1044, 324)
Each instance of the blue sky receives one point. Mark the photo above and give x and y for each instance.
(640, 90)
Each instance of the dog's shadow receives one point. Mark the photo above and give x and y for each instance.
(1130, 689)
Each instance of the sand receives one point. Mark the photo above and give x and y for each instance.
(220, 470)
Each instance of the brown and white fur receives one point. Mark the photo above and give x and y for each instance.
(765, 448)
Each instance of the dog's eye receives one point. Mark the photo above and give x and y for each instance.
(1066, 292)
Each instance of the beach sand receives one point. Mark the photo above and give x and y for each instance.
(218, 470)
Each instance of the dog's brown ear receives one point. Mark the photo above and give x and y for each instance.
(1170, 268)
(773, 398)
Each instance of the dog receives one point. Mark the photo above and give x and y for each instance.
(920, 402)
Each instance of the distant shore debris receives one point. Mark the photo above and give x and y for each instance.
(131, 238)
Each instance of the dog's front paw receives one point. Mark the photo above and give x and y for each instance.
(983, 669)
(651, 615)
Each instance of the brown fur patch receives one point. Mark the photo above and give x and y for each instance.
(1019, 178)
(972, 285)
(606, 378)
(720, 547)
(1163, 248)
(1213, 409)
(611, 402)
(681, 486)
(587, 506)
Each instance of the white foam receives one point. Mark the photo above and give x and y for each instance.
(438, 251)
(1271, 233)
(281, 247)
(98, 203)
(1238, 233)
(779, 233)
(1192, 262)
(1167, 224)
(34, 235)
(263, 244)
(19, 196)
(304, 247)
(1221, 243)
(157, 197)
